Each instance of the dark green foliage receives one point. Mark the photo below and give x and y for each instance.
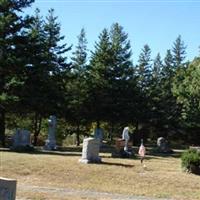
(77, 86)
(186, 88)
(168, 67)
(36, 80)
(191, 161)
(111, 75)
(12, 59)
(46, 69)
(144, 67)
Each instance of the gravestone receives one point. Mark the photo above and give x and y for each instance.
(50, 143)
(125, 137)
(197, 148)
(163, 145)
(98, 134)
(21, 138)
(90, 151)
(7, 189)
(123, 147)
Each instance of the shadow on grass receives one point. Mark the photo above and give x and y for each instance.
(166, 155)
(55, 153)
(117, 164)
(43, 152)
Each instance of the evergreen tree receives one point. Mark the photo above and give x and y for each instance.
(43, 93)
(186, 88)
(80, 55)
(157, 67)
(168, 67)
(112, 81)
(179, 51)
(11, 58)
(144, 78)
(97, 76)
(155, 97)
(121, 77)
(36, 75)
(144, 67)
(78, 84)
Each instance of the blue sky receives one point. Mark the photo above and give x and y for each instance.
(153, 22)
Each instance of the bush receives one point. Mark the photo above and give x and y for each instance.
(191, 161)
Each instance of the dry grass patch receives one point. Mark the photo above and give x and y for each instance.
(162, 177)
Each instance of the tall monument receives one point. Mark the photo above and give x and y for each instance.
(51, 141)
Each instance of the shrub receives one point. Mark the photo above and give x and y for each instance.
(191, 161)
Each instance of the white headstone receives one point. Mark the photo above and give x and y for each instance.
(90, 151)
(51, 141)
(22, 138)
(7, 189)
(126, 137)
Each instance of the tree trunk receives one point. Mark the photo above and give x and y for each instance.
(2, 126)
(78, 135)
(37, 127)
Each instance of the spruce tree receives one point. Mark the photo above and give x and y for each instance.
(97, 76)
(121, 77)
(144, 67)
(168, 67)
(77, 84)
(35, 90)
(179, 51)
(144, 77)
(157, 67)
(11, 57)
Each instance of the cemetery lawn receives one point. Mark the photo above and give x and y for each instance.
(162, 178)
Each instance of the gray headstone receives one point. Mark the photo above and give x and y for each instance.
(98, 134)
(126, 137)
(7, 189)
(22, 138)
(51, 141)
(90, 151)
(163, 145)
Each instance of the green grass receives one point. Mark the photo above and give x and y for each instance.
(162, 177)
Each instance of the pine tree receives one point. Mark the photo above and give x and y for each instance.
(78, 84)
(80, 55)
(36, 79)
(97, 82)
(144, 67)
(144, 81)
(154, 99)
(157, 67)
(179, 51)
(122, 80)
(43, 93)
(11, 57)
(56, 61)
(168, 67)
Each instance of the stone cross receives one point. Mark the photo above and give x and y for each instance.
(126, 137)
(51, 141)
(7, 189)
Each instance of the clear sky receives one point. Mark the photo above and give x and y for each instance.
(156, 23)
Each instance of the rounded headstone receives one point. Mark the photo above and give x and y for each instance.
(163, 145)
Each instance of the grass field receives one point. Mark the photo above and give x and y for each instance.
(162, 177)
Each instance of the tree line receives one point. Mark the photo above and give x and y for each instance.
(155, 97)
